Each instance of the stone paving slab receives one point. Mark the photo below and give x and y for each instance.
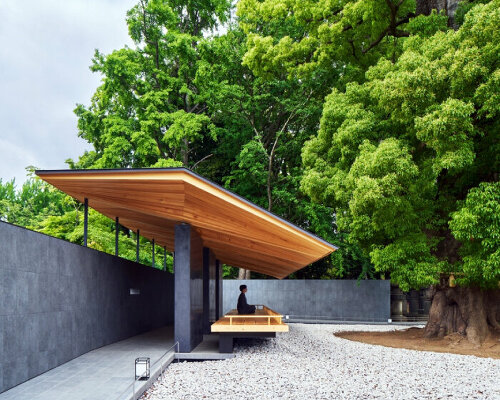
(103, 373)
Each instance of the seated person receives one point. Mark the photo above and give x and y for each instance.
(243, 306)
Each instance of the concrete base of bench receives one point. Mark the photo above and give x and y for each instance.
(226, 339)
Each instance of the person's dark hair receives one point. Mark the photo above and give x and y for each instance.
(242, 287)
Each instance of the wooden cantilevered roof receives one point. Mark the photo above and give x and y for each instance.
(239, 232)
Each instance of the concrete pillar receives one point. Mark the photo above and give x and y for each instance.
(188, 278)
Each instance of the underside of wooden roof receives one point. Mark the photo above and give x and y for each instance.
(153, 201)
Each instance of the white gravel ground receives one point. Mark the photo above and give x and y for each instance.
(309, 362)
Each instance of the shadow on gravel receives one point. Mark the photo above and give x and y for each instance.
(245, 343)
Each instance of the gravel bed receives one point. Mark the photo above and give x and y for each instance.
(309, 362)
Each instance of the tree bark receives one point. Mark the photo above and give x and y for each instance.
(471, 312)
(243, 273)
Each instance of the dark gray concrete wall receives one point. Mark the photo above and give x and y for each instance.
(340, 300)
(59, 300)
(188, 275)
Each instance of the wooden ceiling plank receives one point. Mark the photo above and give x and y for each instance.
(159, 212)
(249, 234)
(253, 244)
(201, 190)
(257, 255)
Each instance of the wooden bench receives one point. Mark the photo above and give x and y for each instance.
(264, 323)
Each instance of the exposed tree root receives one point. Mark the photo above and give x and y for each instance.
(472, 312)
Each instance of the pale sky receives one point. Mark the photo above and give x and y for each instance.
(45, 53)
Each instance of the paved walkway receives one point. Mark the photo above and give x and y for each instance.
(103, 373)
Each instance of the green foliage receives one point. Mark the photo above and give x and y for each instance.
(32, 203)
(428, 25)
(7, 200)
(325, 37)
(464, 6)
(409, 261)
(395, 155)
(477, 225)
(380, 184)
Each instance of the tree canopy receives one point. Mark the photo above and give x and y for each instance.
(324, 37)
(397, 155)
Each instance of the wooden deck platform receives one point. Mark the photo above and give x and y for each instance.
(264, 320)
(264, 323)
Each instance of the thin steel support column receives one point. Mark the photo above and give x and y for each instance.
(85, 221)
(117, 228)
(153, 253)
(137, 247)
(164, 258)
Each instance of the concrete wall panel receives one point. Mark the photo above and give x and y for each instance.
(335, 300)
(59, 300)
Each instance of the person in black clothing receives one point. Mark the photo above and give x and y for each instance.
(243, 306)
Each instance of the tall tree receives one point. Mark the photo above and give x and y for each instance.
(397, 155)
(149, 110)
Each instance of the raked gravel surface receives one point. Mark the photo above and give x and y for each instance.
(309, 362)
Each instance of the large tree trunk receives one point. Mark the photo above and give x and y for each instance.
(472, 312)
(243, 273)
